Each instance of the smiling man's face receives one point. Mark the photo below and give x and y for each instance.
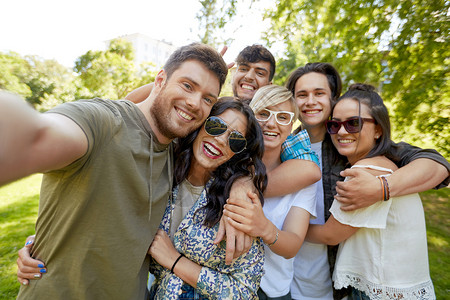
(249, 77)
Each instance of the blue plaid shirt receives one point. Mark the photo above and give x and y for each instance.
(298, 147)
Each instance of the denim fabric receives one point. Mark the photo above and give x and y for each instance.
(359, 295)
(188, 292)
(263, 296)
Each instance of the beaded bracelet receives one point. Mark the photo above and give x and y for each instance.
(173, 266)
(276, 239)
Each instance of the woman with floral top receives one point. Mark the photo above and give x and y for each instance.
(187, 264)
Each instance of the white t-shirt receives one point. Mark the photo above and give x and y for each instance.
(387, 258)
(278, 270)
(312, 279)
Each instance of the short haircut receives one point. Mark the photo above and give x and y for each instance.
(256, 53)
(334, 80)
(202, 53)
(273, 94)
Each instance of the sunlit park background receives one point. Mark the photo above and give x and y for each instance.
(402, 47)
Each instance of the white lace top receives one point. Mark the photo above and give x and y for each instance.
(387, 258)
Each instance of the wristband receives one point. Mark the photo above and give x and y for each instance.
(276, 239)
(387, 192)
(382, 188)
(173, 266)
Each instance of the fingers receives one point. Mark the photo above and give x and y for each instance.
(237, 217)
(229, 253)
(237, 225)
(240, 241)
(247, 243)
(224, 50)
(221, 232)
(230, 65)
(22, 281)
(349, 172)
(349, 207)
(254, 197)
(344, 200)
(239, 202)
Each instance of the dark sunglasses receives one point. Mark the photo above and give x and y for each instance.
(215, 126)
(352, 125)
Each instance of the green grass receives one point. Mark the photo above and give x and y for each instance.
(18, 212)
(19, 207)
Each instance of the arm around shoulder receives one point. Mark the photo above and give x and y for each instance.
(291, 176)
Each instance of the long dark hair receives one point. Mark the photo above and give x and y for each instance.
(247, 163)
(366, 94)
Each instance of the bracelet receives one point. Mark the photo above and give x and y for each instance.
(382, 188)
(173, 266)
(387, 192)
(276, 239)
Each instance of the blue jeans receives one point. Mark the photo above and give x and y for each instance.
(263, 296)
(359, 295)
(188, 292)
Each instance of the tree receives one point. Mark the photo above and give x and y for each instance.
(43, 83)
(213, 17)
(399, 46)
(112, 73)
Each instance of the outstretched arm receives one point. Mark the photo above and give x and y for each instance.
(365, 189)
(32, 142)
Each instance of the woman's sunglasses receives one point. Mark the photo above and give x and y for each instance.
(215, 126)
(352, 125)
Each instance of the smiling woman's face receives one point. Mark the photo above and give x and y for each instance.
(274, 133)
(212, 151)
(354, 146)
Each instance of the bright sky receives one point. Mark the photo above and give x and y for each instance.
(66, 29)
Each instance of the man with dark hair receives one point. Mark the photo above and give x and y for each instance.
(108, 173)
(255, 68)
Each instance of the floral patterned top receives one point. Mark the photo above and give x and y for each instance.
(239, 280)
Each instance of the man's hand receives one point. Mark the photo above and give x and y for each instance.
(29, 268)
(362, 190)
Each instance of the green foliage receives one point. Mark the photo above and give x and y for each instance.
(12, 72)
(213, 17)
(43, 83)
(18, 213)
(112, 73)
(399, 46)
